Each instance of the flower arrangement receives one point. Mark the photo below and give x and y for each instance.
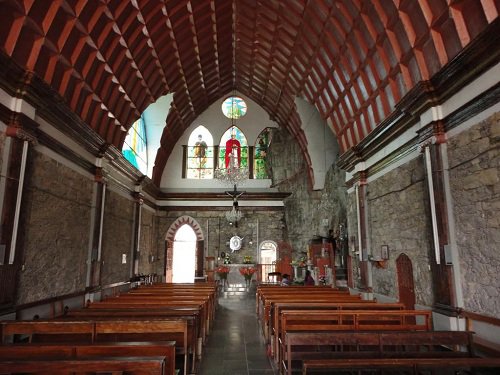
(222, 272)
(247, 259)
(248, 272)
(301, 262)
(322, 279)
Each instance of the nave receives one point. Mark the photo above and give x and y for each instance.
(236, 345)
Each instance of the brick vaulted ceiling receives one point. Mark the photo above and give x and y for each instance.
(353, 59)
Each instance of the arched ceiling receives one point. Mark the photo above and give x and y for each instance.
(353, 59)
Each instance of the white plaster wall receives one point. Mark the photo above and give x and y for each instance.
(322, 145)
(214, 120)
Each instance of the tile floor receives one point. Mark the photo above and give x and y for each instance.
(236, 345)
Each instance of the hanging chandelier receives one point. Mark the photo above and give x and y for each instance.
(233, 174)
(234, 215)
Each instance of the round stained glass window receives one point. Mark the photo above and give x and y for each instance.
(234, 107)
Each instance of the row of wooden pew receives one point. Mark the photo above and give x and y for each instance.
(154, 329)
(324, 330)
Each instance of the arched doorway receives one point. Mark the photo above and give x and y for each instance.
(267, 258)
(405, 281)
(184, 251)
(184, 238)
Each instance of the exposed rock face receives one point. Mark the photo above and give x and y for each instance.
(475, 187)
(305, 210)
(54, 230)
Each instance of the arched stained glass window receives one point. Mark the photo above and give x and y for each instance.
(135, 146)
(234, 138)
(200, 154)
(234, 107)
(260, 170)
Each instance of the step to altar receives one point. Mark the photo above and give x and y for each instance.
(237, 290)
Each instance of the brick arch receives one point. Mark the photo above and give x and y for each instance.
(179, 222)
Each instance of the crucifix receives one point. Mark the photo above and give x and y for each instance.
(235, 194)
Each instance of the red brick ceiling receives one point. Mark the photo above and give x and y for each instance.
(353, 59)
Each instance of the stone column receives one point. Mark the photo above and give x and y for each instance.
(433, 146)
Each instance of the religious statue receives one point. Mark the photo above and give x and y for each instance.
(233, 148)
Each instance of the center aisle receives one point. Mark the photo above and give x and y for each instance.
(236, 345)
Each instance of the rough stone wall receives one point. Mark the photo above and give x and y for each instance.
(256, 226)
(54, 230)
(305, 209)
(475, 187)
(398, 216)
(147, 242)
(117, 235)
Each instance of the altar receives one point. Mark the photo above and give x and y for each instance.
(234, 276)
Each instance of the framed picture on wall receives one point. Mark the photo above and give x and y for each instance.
(384, 252)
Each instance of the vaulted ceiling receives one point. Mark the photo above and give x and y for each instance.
(353, 59)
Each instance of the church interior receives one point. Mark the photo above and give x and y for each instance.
(181, 153)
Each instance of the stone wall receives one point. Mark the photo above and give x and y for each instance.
(256, 226)
(475, 188)
(148, 252)
(399, 216)
(117, 237)
(305, 209)
(54, 230)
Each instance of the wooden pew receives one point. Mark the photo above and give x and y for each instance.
(105, 331)
(293, 291)
(265, 311)
(48, 351)
(363, 345)
(122, 365)
(411, 365)
(191, 315)
(277, 308)
(348, 320)
(202, 303)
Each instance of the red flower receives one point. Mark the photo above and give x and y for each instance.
(222, 271)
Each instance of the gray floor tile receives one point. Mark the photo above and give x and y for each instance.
(235, 345)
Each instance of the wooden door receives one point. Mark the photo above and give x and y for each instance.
(405, 281)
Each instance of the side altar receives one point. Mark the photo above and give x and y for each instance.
(234, 276)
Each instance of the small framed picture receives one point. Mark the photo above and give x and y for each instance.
(384, 252)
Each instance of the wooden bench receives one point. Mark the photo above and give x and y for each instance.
(320, 345)
(191, 315)
(116, 366)
(348, 320)
(412, 365)
(105, 331)
(164, 349)
(277, 308)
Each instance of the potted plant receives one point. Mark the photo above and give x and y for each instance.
(222, 272)
(247, 273)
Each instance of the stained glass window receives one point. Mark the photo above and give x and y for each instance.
(200, 154)
(233, 137)
(135, 146)
(260, 170)
(234, 107)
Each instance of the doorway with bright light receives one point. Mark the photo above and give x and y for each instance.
(184, 250)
